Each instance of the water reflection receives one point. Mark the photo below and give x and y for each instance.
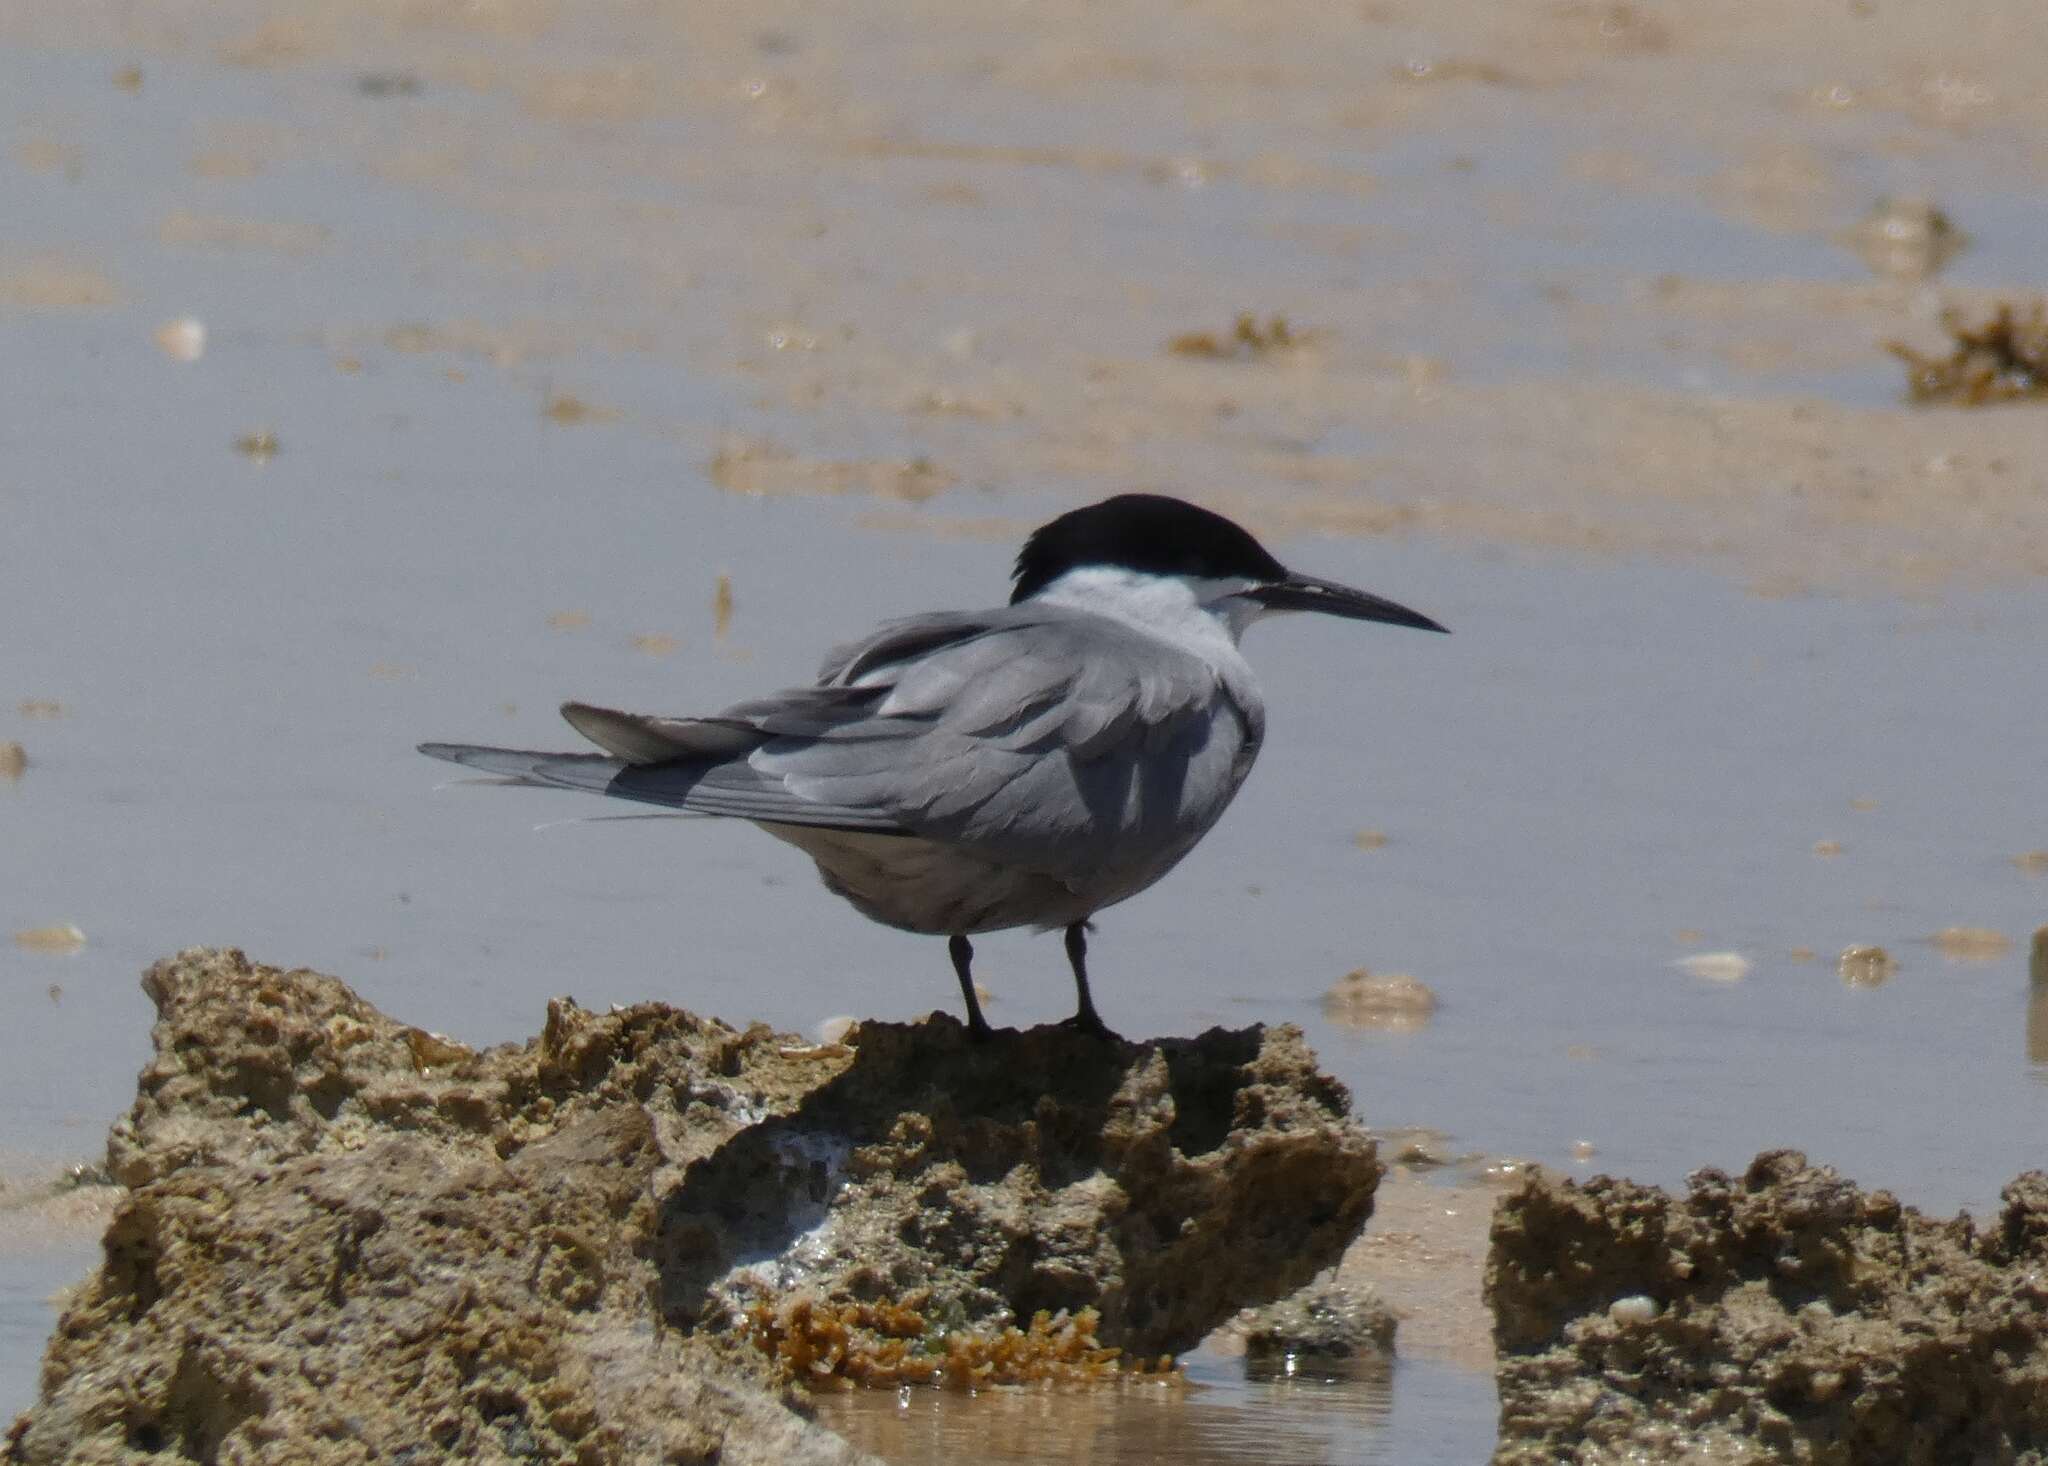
(1218, 1416)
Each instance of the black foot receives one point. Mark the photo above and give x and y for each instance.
(1089, 1022)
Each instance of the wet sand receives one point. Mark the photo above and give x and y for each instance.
(1482, 226)
(551, 351)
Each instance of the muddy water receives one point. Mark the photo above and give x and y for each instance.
(548, 339)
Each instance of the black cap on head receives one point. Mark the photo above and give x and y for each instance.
(1146, 532)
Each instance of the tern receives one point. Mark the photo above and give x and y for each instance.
(960, 772)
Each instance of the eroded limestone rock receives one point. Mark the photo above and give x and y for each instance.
(1785, 1316)
(1332, 1327)
(372, 1243)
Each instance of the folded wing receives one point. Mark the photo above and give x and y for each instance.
(1040, 735)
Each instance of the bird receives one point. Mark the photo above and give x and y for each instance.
(961, 772)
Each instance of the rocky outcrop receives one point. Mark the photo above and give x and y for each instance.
(1332, 1328)
(1786, 1316)
(376, 1244)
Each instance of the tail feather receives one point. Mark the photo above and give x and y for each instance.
(640, 739)
(592, 771)
(731, 787)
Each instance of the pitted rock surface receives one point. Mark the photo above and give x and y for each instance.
(1783, 1316)
(351, 1239)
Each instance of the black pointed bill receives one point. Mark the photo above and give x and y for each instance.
(1306, 593)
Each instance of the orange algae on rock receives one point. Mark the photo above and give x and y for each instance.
(890, 1345)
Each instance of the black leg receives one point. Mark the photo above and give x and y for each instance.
(963, 956)
(1085, 1018)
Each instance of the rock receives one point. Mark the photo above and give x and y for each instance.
(1394, 1002)
(372, 1242)
(1866, 967)
(1787, 1316)
(1906, 239)
(1330, 1327)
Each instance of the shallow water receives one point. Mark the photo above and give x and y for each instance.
(28, 1282)
(1421, 1411)
(1615, 763)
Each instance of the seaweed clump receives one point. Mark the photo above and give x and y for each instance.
(1247, 340)
(2003, 360)
(885, 1345)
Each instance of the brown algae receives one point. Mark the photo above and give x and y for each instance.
(721, 606)
(889, 1345)
(1246, 340)
(565, 409)
(2003, 360)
